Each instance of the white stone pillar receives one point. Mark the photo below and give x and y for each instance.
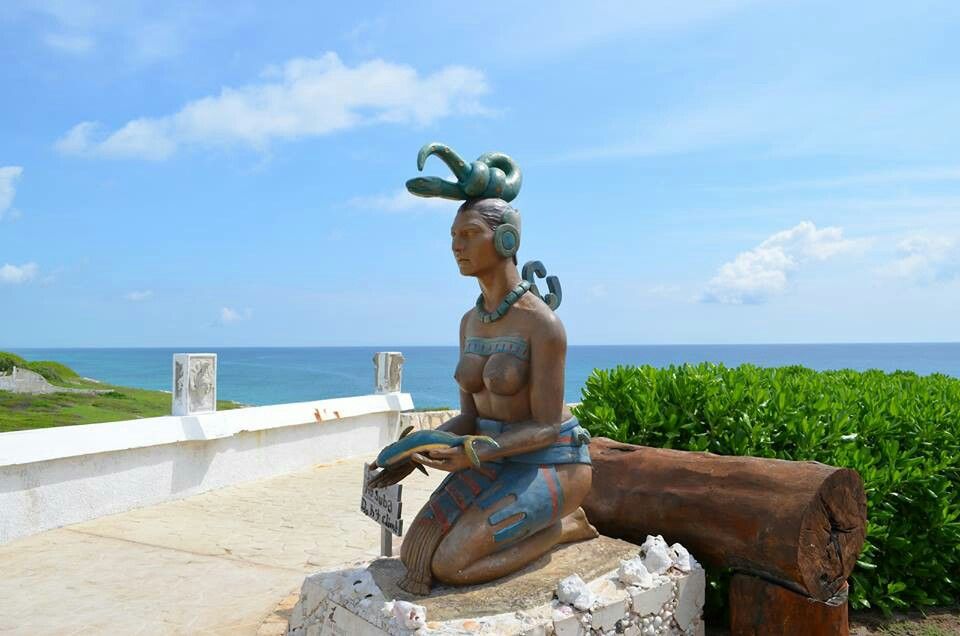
(194, 383)
(388, 371)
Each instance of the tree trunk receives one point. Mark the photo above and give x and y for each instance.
(801, 524)
(759, 608)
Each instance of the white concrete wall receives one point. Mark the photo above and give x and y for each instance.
(57, 476)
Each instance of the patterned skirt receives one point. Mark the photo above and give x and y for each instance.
(531, 478)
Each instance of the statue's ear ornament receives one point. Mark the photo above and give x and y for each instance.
(492, 175)
(506, 238)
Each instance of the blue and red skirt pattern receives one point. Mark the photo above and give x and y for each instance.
(531, 477)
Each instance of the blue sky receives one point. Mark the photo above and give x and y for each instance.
(704, 172)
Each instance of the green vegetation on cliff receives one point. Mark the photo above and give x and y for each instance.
(19, 411)
(54, 372)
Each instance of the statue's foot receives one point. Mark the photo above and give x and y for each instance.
(576, 527)
(413, 585)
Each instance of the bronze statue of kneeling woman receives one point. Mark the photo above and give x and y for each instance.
(507, 503)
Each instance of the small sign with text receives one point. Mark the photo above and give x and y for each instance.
(383, 505)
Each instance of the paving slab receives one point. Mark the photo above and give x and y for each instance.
(215, 563)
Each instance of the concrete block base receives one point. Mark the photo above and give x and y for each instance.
(364, 599)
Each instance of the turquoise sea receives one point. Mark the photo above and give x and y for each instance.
(277, 375)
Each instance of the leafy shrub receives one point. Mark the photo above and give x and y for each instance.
(900, 431)
(53, 371)
(10, 360)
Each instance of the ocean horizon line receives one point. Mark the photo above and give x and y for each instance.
(274, 375)
(429, 346)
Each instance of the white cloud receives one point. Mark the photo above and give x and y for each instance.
(14, 274)
(755, 275)
(402, 201)
(926, 258)
(8, 178)
(229, 315)
(305, 98)
(78, 139)
(136, 296)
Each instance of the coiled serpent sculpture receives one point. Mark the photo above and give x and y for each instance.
(492, 175)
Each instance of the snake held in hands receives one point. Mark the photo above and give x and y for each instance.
(423, 441)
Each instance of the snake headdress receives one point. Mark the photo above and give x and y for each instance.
(492, 175)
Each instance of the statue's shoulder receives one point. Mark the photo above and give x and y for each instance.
(467, 316)
(544, 324)
(467, 322)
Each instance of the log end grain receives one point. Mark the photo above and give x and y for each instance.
(832, 533)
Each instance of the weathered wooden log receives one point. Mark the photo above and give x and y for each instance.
(760, 608)
(801, 524)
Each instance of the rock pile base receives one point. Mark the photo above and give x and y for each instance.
(364, 599)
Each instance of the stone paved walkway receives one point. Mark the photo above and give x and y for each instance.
(216, 563)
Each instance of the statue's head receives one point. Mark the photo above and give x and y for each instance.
(485, 233)
(485, 226)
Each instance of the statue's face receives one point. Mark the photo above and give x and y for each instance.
(472, 243)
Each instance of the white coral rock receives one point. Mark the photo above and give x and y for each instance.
(656, 555)
(573, 591)
(682, 559)
(634, 572)
(406, 614)
(363, 584)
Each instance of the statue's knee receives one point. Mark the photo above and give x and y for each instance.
(449, 573)
(448, 564)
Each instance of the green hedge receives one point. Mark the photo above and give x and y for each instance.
(900, 431)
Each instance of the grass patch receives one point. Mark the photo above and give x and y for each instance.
(20, 412)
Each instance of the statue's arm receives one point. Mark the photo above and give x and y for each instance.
(466, 422)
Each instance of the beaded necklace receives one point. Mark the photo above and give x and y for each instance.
(492, 316)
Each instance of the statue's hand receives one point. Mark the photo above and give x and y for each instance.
(393, 474)
(452, 459)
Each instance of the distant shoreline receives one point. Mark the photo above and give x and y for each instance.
(274, 375)
(206, 348)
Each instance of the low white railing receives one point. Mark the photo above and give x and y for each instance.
(56, 476)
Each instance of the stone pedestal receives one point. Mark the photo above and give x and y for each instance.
(388, 371)
(352, 600)
(194, 383)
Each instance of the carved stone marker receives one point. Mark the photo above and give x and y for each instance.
(194, 383)
(388, 371)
